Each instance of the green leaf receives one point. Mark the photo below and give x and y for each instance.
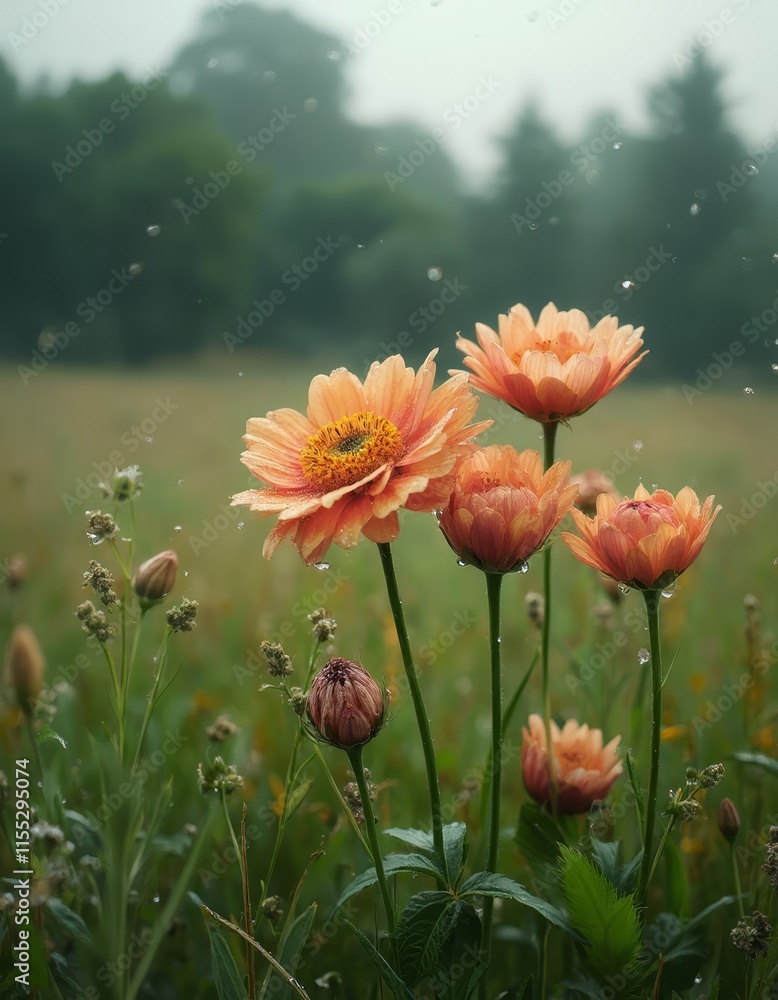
(629, 760)
(69, 920)
(48, 735)
(538, 836)
(676, 883)
(229, 983)
(488, 884)
(455, 847)
(419, 839)
(769, 764)
(607, 920)
(459, 967)
(421, 931)
(393, 865)
(289, 954)
(608, 857)
(399, 990)
(295, 800)
(672, 949)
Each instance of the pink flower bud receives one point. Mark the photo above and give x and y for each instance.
(345, 704)
(156, 577)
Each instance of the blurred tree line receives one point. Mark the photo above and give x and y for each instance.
(229, 204)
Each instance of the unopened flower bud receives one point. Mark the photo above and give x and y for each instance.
(345, 704)
(298, 701)
(728, 820)
(218, 777)
(155, 578)
(16, 571)
(25, 665)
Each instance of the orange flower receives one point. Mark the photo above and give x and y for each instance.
(646, 542)
(584, 769)
(362, 452)
(503, 507)
(556, 369)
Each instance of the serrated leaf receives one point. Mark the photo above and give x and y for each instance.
(608, 921)
(538, 835)
(399, 990)
(462, 949)
(289, 954)
(421, 931)
(769, 764)
(607, 856)
(454, 845)
(48, 735)
(419, 839)
(69, 920)
(393, 865)
(295, 800)
(488, 884)
(228, 981)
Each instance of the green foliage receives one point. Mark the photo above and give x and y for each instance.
(502, 887)
(608, 921)
(424, 925)
(394, 864)
(761, 760)
(399, 990)
(228, 981)
(292, 943)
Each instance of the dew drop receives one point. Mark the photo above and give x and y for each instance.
(155, 899)
(623, 589)
(774, 258)
(774, 369)
(177, 528)
(241, 525)
(435, 273)
(697, 980)
(360, 246)
(153, 230)
(617, 145)
(310, 104)
(334, 55)
(643, 656)
(212, 63)
(149, 440)
(626, 283)
(522, 567)
(747, 264)
(748, 391)
(669, 592)
(752, 170)
(321, 566)
(694, 209)
(637, 445)
(592, 177)
(382, 150)
(136, 267)
(186, 572)
(461, 562)
(240, 374)
(533, 226)
(268, 76)
(126, 539)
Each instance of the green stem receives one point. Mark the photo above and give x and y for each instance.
(665, 834)
(738, 886)
(493, 586)
(549, 440)
(422, 718)
(34, 750)
(339, 795)
(153, 696)
(652, 598)
(355, 756)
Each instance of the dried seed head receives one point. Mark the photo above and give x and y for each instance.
(345, 704)
(752, 935)
(100, 580)
(155, 578)
(221, 729)
(278, 663)
(323, 626)
(272, 909)
(100, 526)
(711, 775)
(536, 608)
(182, 617)
(94, 622)
(25, 665)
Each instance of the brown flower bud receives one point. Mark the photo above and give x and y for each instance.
(156, 577)
(16, 572)
(591, 484)
(345, 704)
(729, 820)
(25, 665)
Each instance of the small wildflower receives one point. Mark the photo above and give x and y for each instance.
(51, 836)
(279, 664)
(94, 623)
(182, 618)
(728, 820)
(770, 867)
(16, 571)
(711, 775)
(323, 626)
(297, 700)
(218, 777)
(155, 578)
(272, 909)
(603, 612)
(100, 526)
(345, 704)
(684, 810)
(25, 665)
(91, 862)
(101, 582)
(221, 729)
(536, 608)
(354, 799)
(752, 934)
(125, 484)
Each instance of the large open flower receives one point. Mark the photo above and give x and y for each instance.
(584, 769)
(646, 542)
(362, 452)
(555, 369)
(503, 507)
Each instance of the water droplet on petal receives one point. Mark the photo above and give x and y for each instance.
(522, 567)
(310, 104)
(321, 566)
(461, 562)
(435, 273)
(212, 63)
(694, 209)
(136, 267)
(623, 589)
(747, 264)
(637, 445)
(643, 656)
(669, 592)
(153, 230)
(748, 391)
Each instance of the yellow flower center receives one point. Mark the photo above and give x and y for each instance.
(349, 449)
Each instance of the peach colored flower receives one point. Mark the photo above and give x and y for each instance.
(556, 369)
(584, 769)
(503, 507)
(362, 452)
(646, 542)
(591, 484)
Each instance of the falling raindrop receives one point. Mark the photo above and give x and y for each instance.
(212, 63)
(135, 268)
(623, 589)
(752, 170)
(334, 55)
(435, 273)
(626, 283)
(186, 572)
(153, 230)
(240, 374)
(643, 656)
(321, 566)
(241, 525)
(617, 145)
(268, 76)
(177, 528)
(637, 445)
(592, 177)
(747, 264)
(748, 391)
(533, 226)
(694, 209)
(382, 150)
(310, 104)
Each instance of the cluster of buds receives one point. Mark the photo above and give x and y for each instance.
(711, 775)
(354, 800)
(752, 935)
(770, 867)
(323, 625)
(94, 622)
(272, 909)
(100, 526)
(25, 665)
(125, 484)
(218, 777)
(155, 578)
(345, 705)
(182, 617)
(100, 580)
(683, 805)
(221, 729)
(279, 663)
(46, 834)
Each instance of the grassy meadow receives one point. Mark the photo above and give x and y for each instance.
(183, 427)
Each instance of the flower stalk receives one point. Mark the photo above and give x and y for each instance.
(652, 599)
(549, 442)
(355, 756)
